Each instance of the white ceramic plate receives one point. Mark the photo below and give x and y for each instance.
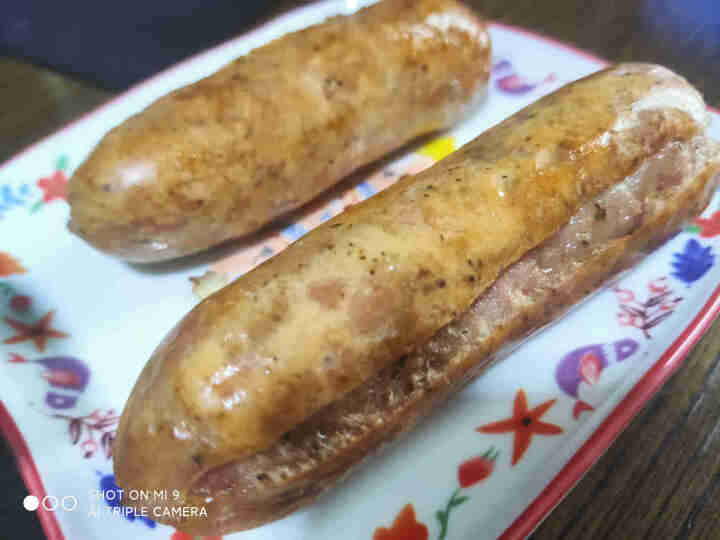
(76, 327)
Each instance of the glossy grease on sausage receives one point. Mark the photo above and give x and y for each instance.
(607, 235)
(222, 157)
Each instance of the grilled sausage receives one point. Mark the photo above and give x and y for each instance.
(222, 157)
(606, 236)
(358, 329)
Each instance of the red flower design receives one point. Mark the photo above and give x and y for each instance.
(590, 368)
(54, 187)
(580, 407)
(648, 314)
(179, 535)
(38, 332)
(20, 303)
(102, 424)
(405, 527)
(477, 469)
(9, 265)
(61, 377)
(710, 227)
(524, 423)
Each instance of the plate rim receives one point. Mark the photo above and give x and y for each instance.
(580, 462)
(29, 472)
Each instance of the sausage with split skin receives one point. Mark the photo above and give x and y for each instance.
(222, 157)
(608, 235)
(302, 334)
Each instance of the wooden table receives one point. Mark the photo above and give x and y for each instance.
(661, 478)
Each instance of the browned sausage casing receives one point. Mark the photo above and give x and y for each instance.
(358, 329)
(608, 235)
(222, 157)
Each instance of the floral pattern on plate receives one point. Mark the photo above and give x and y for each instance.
(46, 189)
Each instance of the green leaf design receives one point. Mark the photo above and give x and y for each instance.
(443, 516)
(693, 229)
(458, 501)
(35, 207)
(62, 163)
(6, 289)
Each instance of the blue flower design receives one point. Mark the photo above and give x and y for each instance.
(693, 262)
(107, 484)
(12, 197)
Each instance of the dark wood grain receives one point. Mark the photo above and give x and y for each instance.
(661, 477)
(683, 35)
(36, 102)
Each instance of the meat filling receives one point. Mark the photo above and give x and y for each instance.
(526, 297)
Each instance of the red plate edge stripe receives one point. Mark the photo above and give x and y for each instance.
(29, 473)
(563, 482)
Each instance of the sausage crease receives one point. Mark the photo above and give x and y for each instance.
(272, 389)
(603, 238)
